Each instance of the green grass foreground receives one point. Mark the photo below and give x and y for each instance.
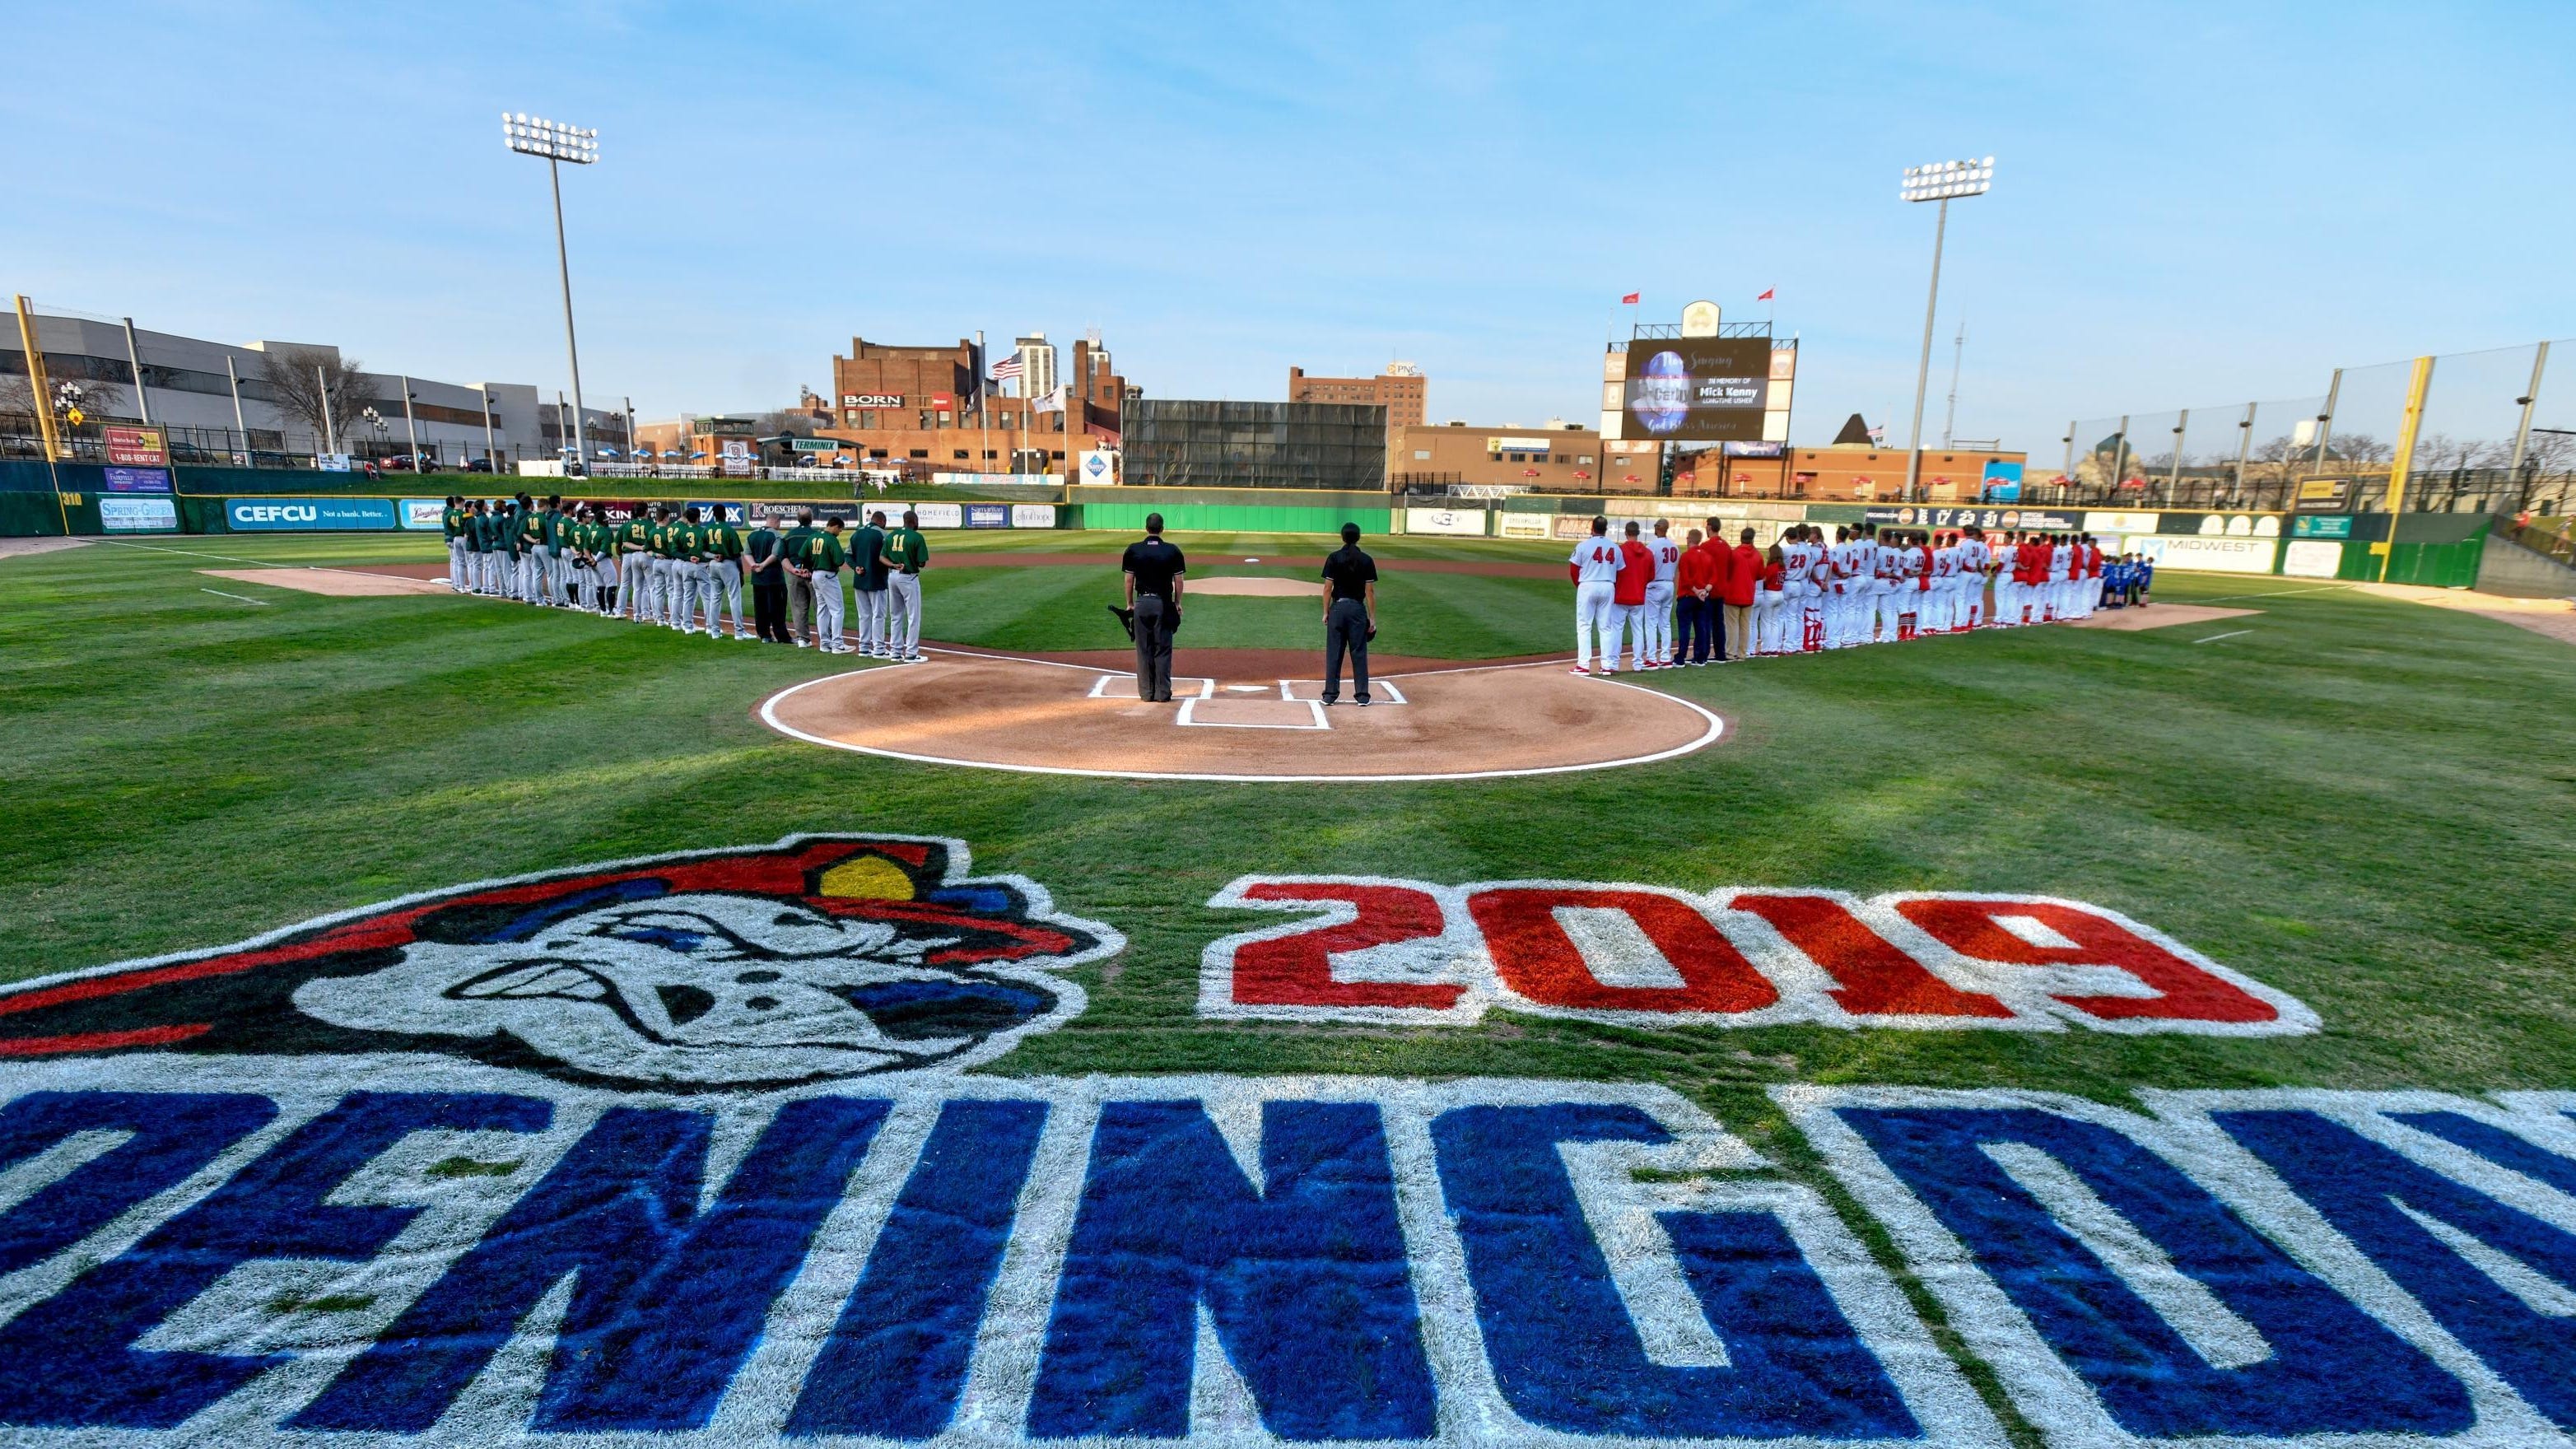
(2368, 804)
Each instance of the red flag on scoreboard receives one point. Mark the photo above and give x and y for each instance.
(1766, 294)
(1631, 297)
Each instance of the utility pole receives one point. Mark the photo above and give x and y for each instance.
(559, 143)
(1939, 182)
(240, 424)
(134, 360)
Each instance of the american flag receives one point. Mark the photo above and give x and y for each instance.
(1007, 368)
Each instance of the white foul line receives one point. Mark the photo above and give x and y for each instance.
(260, 603)
(2214, 638)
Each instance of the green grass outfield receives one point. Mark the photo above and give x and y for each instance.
(2365, 803)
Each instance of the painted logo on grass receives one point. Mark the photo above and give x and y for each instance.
(818, 957)
(1393, 952)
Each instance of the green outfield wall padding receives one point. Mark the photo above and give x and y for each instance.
(21, 475)
(29, 515)
(2436, 565)
(202, 515)
(1232, 518)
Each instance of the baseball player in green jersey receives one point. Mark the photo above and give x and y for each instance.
(696, 586)
(529, 547)
(634, 563)
(478, 547)
(603, 558)
(868, 585)
(907, 553)
(800, 582)
(724, 572)
(823, 557)
(581, 549)
(666, 567)
(451, 526)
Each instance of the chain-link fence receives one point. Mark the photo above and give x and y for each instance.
(2492, 437)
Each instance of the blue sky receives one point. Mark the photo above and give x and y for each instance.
(2193, 203)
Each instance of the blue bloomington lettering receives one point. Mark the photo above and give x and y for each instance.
(389, 1250)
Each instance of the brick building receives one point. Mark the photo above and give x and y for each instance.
(1402, 390)
(1838, 473)
(1560, 457)
(922, 406)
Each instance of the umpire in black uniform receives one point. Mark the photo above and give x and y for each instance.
(1350, 614)
(1154, 570)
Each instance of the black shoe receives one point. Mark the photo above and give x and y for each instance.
(1328, 700)
(1364, 701)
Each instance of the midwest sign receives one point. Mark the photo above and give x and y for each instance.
(678, 1151)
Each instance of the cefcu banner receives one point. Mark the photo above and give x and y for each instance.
(309, 515)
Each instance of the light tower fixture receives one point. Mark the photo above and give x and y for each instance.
(558, 143)
(1940, 181)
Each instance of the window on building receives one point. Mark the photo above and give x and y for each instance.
(1423, 455)
(991, 453)
(1586, 458)
(867, 417)
(920, 453)
(876, 452)
(1520, 457)
(1057, 455)
(959, 454)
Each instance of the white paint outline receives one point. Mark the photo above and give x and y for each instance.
(1100, 686)
(1188, 716)
(1460, 956)
(1382, 690)
(768, 715)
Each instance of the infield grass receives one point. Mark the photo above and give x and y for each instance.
(2368, 804)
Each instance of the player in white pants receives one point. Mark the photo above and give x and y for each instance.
(1594, 567)
(826, 583)
(1656, 635)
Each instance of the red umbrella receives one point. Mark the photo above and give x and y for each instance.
(1582, 472)
(1529, 472)
(1632, 478)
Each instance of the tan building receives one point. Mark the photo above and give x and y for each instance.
(1559, 457)
(1402, 390)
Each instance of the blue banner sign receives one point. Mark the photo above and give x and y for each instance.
(268, 515)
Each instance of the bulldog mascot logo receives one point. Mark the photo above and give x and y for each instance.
(818, 957)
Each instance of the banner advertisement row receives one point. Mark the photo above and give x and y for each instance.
(377, 515)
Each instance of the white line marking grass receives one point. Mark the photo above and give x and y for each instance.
(2214, 638)
(255, 603)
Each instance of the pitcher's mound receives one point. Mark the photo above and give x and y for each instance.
(1048, 718)
(1240, 586)
(2158, 616)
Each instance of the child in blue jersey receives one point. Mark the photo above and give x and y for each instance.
(2141, 578)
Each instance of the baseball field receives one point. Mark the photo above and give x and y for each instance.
(2345, 820)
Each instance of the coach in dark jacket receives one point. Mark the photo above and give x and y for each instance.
(1154, 570)
(1350, 614)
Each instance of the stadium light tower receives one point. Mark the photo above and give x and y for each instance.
(1939, 182)
(558, 143)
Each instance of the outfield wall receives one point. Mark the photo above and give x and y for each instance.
(86, 499)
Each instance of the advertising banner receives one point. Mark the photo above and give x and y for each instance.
(424, 515)
(733, 513)
(939, 515)
(1032, 515)
(783, 515)
(1098, 466)
(1574, 525)
(2217, 555)
(138, 515)
(2221, 525)
(615, 510)
(988, 515)
(331, 462)
(1756, 449)
(135, 480)
(1462, 522)
(2324, 495)
(309, 515)
(737, 457)
(2312, 558)
(2098, 521)
(1524, 525)
(2322, 526)
(1922, 516)
(1697, 389)
(136, 447)
(2001, 482)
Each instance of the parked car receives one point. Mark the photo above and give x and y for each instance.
(479, 465)
(396, 464)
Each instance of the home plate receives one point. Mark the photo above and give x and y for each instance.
(1245, 689)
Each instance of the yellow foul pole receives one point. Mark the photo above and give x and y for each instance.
(2403, 463)
(38, 384)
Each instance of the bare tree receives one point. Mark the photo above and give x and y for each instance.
(303, 379)
(97, 399)
(787, 420)
(2359, 448)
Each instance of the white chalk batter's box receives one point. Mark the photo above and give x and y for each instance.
(228, 1250)
(1405, 952)
(1205, 704)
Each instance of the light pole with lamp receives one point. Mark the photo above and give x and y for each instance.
(558, 143)
(1937, 182)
